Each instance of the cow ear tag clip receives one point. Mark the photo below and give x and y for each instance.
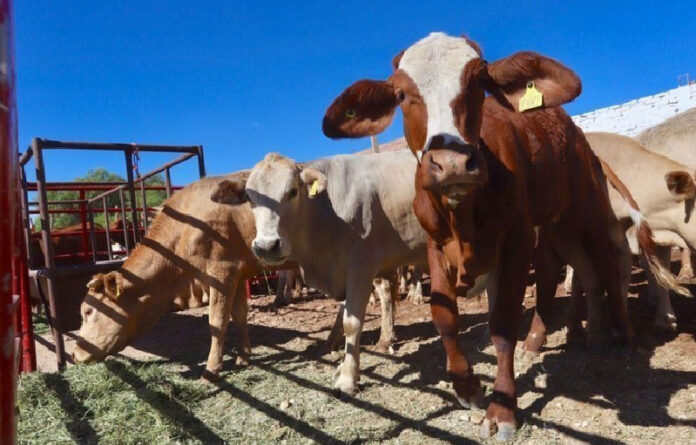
(313, 188)
(532, 98)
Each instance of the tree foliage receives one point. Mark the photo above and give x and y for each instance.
(153, 198)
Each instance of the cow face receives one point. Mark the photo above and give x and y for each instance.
(107, 321)
(276, 189)
(440, 84)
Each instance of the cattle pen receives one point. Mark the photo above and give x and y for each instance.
(66, 271)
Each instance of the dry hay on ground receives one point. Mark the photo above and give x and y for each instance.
(153, 394)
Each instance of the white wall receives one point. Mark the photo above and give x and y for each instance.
(636, 115)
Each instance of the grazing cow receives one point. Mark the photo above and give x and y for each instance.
(665, 191)
(675, 138)
(194, 249)
(343, 220)
(491, 183)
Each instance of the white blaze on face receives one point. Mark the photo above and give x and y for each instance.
(435, 65)
(266, 189)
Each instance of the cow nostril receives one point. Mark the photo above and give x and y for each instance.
(434, 166)
(472, 164)
(276, 245)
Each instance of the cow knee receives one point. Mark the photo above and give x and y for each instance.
(351, 325)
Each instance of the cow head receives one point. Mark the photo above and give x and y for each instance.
(440, 84)
(113, 313)
(277, 189)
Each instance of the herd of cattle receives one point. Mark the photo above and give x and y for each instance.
(502, 182)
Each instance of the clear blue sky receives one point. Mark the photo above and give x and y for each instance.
(245, 78)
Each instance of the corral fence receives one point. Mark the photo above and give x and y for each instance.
(61, 275)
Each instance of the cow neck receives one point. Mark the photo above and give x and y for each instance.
(470, 234)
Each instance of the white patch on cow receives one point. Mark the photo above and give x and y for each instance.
(636, 216)
(435, 65)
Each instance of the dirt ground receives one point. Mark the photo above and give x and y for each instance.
(645, 395)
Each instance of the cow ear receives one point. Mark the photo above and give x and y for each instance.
(231, 192)
(112, 285)
(96, 284)
(365, 108)
(314, 180)
(527, 73)
(681, 184)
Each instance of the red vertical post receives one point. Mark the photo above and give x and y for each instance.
(8, 212)
(86, 254)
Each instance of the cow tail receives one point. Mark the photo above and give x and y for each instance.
(644, 235)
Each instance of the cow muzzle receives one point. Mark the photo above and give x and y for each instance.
(269, 250)
(453, 170)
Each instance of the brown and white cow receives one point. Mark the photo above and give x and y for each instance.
(491, 183)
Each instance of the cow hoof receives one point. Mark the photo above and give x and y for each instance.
(385, 347)
(210, 376)
(666, 324)
(415, 298)
(504, 431)
(242, 361)
(474, 402)
(345, 385)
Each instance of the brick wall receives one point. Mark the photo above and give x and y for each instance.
(634, 116)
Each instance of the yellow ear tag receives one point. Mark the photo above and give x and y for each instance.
(118, 291)
(314, 188)
(532, 98)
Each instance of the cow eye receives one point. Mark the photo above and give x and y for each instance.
(88, 312)
(292, 193)
(400, 96)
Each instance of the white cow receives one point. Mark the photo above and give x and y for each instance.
(344, 220)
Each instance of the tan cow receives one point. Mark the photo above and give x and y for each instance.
(664, 190)
(192, 243)
(194, 247)
(675, 138)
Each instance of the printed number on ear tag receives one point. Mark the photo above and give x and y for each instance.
(532, 98)
(314, 188)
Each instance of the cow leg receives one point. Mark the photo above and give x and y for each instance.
(665, 319)
(336, 332)
(240, 310)
(282, 289)
(387, 292)
(443, 305)
(547, 267)
(403, 279)
(415, 287)
(576, 333)
(568, 282)
(218, 320)
(506, 292)
(686, 272)
(357, 295)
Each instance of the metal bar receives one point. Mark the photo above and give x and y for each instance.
(28, 355)
(92, 186)
(49, 144)
(83, 221)
(375, 144)
(128, 152)
(25, 157)
(48, 254)
(201, 162)
(148, 175)
(125, 222)
(73, 211)
(92, 234)
(108, 236)
(144, 206)
(26, 219)
(168, 181)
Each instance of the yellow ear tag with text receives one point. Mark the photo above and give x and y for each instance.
(532, 98)
(314, 188)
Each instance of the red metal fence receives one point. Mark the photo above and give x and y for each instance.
(8, 240)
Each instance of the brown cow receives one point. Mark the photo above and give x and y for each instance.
(491, 183)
